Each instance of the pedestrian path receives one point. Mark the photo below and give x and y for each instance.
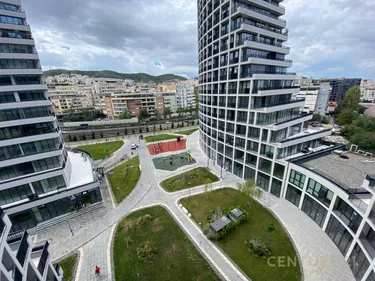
(91, 233)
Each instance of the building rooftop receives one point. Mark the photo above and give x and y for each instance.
(235, 213)
(347, 173)
(220, 223)
(82, 169)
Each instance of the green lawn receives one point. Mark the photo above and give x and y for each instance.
(68, 265)
(124, 178)
(195, 177)
(172, 256)
(161, 137)
(256, 225)
(187, 132)
(100, 150)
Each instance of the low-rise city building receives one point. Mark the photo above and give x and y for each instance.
(368, 90)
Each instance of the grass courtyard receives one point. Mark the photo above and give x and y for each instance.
(259, 219)
(155, 248)
(124, 178)
(100, 150)
(192, 178)
(187, 132)
(68, 265)
(161, 137)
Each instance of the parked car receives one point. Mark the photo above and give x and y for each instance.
(316, 124)
(134, 146)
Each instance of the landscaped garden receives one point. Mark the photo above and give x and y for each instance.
(187, 132)
(256, 244)
(124, 178)
(192, 178)
(68, 265)
(149, 245)
(173, 162)
(161, 137)
(101, 150)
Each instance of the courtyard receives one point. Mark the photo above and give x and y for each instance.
(260, 224)
(149, 245)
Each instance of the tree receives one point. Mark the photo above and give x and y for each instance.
(249, 188)
(348, 109)
(325, 120)
(154, 128)
(84, 136)
(196, 99)
(124, 114)
(316, 117)
(92, 135)
(118, 134)
(126, 132)
(133, 131)
(361, 132)
(157, 115)
(140, 130)
(147, 129)
(70, 138)
(75, 138)
(161, 128)
(172, 127)
(167, 112)
(101, 135)
(143, 114)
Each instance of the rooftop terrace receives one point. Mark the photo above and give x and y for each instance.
(347, 173)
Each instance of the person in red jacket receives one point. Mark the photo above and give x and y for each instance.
(97, 270)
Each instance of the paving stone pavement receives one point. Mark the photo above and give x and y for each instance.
(321, 260)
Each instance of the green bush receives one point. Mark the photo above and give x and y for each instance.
(143, 220)
(258, 246)
(146, 251)
(271, 227)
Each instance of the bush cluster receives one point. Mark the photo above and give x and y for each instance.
(146, 251)
(143, 220)
(258, 247)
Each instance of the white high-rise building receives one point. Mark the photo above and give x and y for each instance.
(39, 178)
(249, 121)
(185, 96)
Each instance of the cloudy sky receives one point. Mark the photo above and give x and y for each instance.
(328, 38)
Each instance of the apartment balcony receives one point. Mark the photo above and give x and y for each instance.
(20, 71)
(19, 244)
(271, 5)
(305, 136)
(252, 28)
(269, 75)
(265, 61)
(40, 255)
(269, 107)
(258, 15)
(272, 91)
(15, 27)
(294, 121)
(263, 45)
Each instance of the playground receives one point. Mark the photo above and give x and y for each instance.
(162, 147)
(174, 161)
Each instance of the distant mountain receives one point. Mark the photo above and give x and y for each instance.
(137, 77)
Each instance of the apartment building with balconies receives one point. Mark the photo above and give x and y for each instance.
(23, 260)
(39, 178)
(250, 118)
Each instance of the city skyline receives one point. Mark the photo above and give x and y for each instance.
(117, 38)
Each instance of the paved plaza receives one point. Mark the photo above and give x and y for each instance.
(92, 233)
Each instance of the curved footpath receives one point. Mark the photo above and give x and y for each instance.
(93, 232)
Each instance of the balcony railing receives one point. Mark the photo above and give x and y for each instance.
(256, 90)
(241, 41)
(246, 57)
(249, 75)
(256, 10)
(238, 24)
(263, 105)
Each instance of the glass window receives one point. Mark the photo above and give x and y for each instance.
(7, 97)
(358, 262)
(320, 192)
(278, 171)
(339, 235)
(347, 214)
(314, 210)
(17, 64)
(293, 195)
(48, 185)
(11, 48)
(297, 178)
(263, 181)
(276, 187)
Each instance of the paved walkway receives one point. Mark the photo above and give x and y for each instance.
(321, 259)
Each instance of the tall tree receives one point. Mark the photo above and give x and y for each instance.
(143, 114)
(124, 114)
(167, 112)
(348, 108)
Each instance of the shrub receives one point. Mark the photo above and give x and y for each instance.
(146, 251)
(211, 235)
(143, 220)
(258, 246)
(271, 227)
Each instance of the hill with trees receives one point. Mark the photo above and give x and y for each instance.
(137, 77)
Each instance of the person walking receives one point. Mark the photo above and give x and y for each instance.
(97, 270)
